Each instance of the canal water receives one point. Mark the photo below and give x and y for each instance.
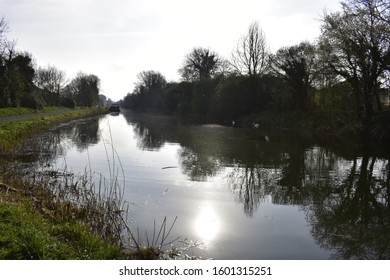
(236, 193)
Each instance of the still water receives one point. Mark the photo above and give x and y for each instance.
(237, 193)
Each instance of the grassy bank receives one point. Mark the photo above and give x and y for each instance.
(66, 217)
(36, 223)
(12, 133)
(27, 234)
(56, 214)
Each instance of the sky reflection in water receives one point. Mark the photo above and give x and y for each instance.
(240, 194)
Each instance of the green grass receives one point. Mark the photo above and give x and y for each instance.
(70, 219)
(28, 234)
(64, 217)
(12, 133)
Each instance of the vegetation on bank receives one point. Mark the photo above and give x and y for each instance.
(337, 85)
(25, 84)
(28, 234)
(55, 214)
(12, 133)
(332, 88)
(60, 215)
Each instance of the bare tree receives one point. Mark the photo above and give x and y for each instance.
(251, 57)
(3, 27)
(378, 9)
(6, 46)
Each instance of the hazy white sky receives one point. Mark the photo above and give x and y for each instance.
(116, 39)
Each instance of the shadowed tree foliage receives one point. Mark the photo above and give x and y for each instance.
(358, 39)
(237, 96)
(16, 74)
(16, 78)
(151, 81)
(201, 63)
(296, 66)
(147, 94)
(22, 84)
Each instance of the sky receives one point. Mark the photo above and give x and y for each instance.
(117, 39)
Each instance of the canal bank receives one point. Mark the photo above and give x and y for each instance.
(59, 214)
(34, 224)
(240, 193)
(15, 128)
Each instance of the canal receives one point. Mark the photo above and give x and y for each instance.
(236, 193)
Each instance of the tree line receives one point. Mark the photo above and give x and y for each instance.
(23, 84)
(346, 70)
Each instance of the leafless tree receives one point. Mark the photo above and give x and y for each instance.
(251, 56)
(6, 46)
(3, 27)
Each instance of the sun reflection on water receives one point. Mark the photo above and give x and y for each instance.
(207, 224)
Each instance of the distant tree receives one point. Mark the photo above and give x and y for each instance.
(52, 80)
(201, 63)
(84, 90)
(102, 100)
(147, 93)
(151, 80)
(251, 56)
(359, 41)
(296, 65)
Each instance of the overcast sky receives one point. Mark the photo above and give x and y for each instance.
(116, 39)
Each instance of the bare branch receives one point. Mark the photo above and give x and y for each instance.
(251, 56)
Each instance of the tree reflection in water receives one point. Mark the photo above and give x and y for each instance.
(353, 216)
(251, 185)
(345, 197)
(40, 151)
(198, 166)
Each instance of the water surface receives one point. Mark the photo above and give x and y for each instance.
(239, 193)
